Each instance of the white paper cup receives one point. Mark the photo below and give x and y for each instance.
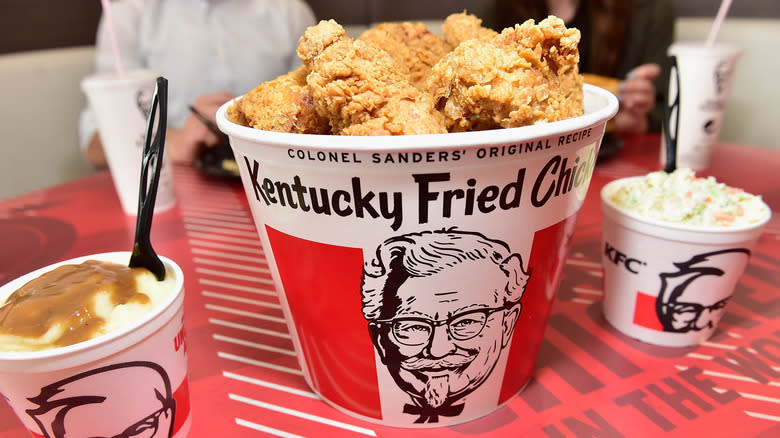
(666, 283)
(700, 82)
(121, 108)
(109, 384)
(480, 222)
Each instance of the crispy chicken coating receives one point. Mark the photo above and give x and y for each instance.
(399, 78)
(554, 48)
(413, 46)
(358, 87)
(525, 75)
(463, 26)
(283, 104)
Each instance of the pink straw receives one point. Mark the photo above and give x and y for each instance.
(722, 11)
(112, 35)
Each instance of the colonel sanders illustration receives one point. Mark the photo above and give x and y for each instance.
(441, 307)
(681, 307)
(78, 406)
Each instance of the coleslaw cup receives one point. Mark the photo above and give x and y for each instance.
(667, 283)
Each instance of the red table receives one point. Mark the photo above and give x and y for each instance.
(591, 381)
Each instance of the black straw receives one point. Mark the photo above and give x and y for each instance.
(672, 118)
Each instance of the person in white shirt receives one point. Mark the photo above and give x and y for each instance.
(209, 50)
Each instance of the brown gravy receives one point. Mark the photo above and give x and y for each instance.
(66, 296)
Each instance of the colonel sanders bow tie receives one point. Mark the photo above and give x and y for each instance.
(429, 414)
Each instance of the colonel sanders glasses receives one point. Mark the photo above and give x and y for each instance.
(690, 313)
(417, 331)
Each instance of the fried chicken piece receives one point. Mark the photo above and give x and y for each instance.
(463, 26)
(358, 87)
(235, 115)
(283, 104)
(559, 57)
(525, 75)
(413, 46)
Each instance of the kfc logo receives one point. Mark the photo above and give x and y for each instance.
(75, 406)
(143, 101)
(682, 308)
(632, 265)
(721, 74)
(438, 338)
(687, 300)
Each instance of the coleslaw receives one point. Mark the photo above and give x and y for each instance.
(681, 197)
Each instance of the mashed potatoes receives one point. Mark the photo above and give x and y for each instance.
(75, 303)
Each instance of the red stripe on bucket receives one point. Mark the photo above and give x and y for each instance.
(548, 256)
(182, 397)
(322, 286)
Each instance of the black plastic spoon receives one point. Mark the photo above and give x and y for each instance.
(143, 255)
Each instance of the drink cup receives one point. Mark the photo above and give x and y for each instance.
(121, 108)
(699, 85)
(668, 283)
(129, 382)
(417, 272)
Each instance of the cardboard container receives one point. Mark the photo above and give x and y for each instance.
(127, 380)
(417, 272)
(121, 108)
(667, 283)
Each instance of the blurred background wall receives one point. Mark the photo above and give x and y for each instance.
(43, 24)
(46, 48)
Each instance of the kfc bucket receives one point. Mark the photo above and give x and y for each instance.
(417, 272)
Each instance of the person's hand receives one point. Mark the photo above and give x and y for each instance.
(184, 144)
(95, 153)
(637, 98)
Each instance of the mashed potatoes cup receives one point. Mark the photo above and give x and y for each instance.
(115, 383)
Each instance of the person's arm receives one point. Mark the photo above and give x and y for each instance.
(663, 27)
(94, 152)
(184, 144)
(637, 99)
(650, 35)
